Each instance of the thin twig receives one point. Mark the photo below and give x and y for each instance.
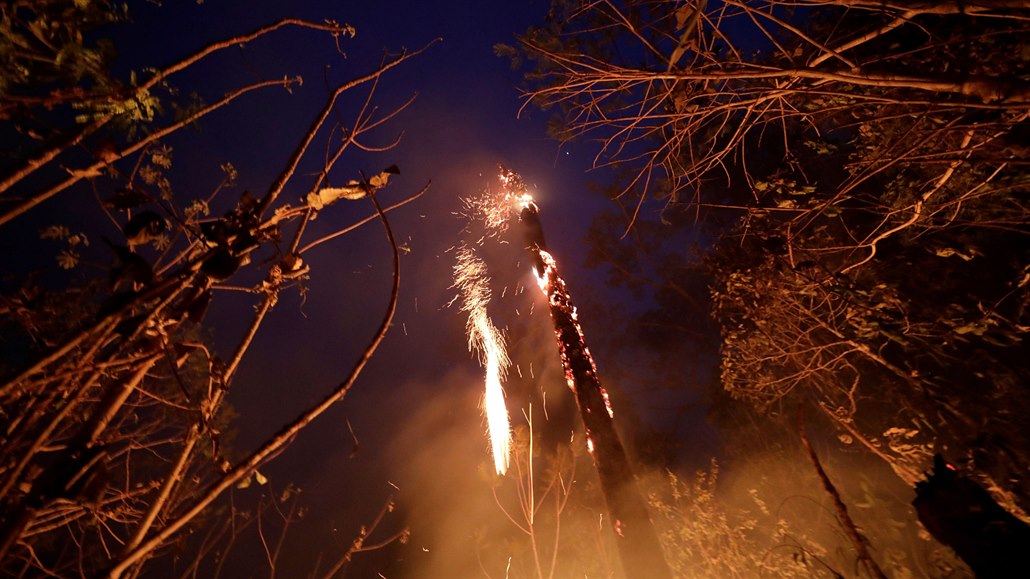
(285, 435)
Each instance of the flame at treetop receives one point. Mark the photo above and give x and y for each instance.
(471, 279)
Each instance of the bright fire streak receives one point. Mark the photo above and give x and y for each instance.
(493, 399)
(471, 279)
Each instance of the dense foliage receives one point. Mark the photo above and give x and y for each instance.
(852, 179)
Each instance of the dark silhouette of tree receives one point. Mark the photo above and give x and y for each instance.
(964, 516)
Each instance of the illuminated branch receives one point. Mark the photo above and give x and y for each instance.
(687, 106)
(279, 441)
(856, 537)
(355, 225)
(298, 153)
(360, 545)
(113, 438)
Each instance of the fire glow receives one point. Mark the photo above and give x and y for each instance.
(483, 338)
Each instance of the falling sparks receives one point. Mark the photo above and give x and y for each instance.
(483, 338)
(494, 211)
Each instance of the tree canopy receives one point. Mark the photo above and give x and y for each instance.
(853, 178)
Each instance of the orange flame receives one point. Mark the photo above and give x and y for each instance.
(471, 279)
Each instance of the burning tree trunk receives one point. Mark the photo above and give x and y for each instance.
(638, 544)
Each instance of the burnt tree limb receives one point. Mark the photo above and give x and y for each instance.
(638, 545)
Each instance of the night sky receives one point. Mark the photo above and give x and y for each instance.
(652, 300)
(415, 409)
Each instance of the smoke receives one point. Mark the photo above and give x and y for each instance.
(455, 503)
(759, 513)
(762, 512)
(750, 513)
(444, 474)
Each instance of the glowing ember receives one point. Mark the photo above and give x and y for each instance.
(471, 279)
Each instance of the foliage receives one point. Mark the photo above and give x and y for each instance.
(854, 174)
(116, 426)
(902, 293)
(45, 57)
(715, 529)
(705, 538)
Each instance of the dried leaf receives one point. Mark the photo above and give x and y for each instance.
(67, 259)
(162, 156)
(328, 195)
(379, 181)
(87, 173)
(230, 171)
(197, 208)
(949, 251)
(975, 328)
(55, 232)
